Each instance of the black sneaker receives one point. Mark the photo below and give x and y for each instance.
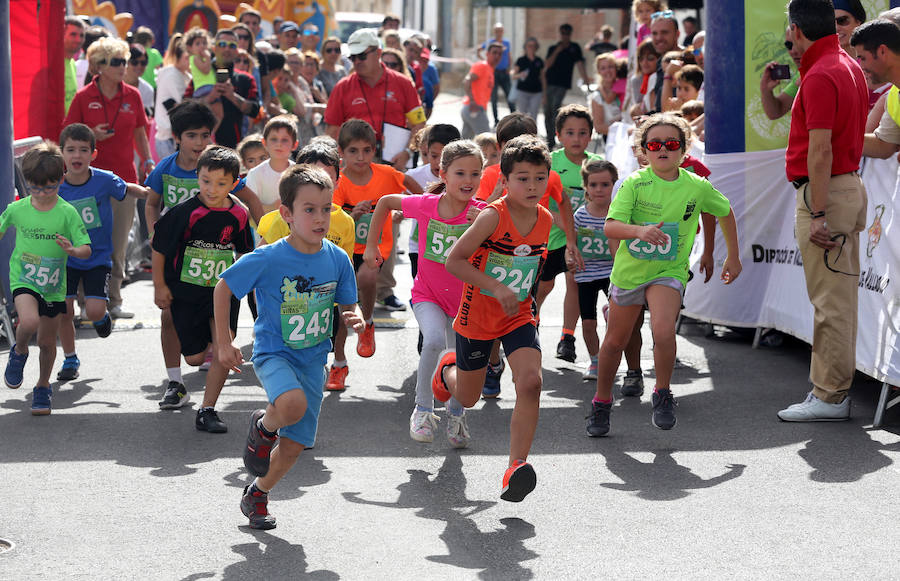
(565, 350)
(255, 505)
(259, 447)
(392, 303)
(633, 383)
(598, 421)
(104, 326)
(175, 397)
(664, 409)
(208, 421)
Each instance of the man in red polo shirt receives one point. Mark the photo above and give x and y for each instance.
(828, 121)
(376, 94)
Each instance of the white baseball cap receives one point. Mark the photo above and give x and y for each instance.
(361, 40)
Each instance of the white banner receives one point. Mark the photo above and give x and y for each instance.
(771, 291)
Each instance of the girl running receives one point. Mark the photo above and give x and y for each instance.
(655, 214)
(441, 219)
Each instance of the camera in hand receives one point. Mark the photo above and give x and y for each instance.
(781, 73)
(222, 75)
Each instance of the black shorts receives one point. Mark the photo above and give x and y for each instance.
(45, 309)
(554, 264)
(192, 322)
(473, 354)
(358, 261)
(588, 293)
(95, 281)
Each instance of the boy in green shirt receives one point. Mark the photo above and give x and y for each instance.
(48, 231)
(574, 126)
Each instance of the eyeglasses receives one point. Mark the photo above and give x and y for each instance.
(310, 32)
(669, 144)
(226, 44)
(114, 62)
(362, 56)
(46, 189)
(842, 20)
(139, 62)
(662, 14)
(243, 37)
(392, 64)
(789, 45)
(333, 50)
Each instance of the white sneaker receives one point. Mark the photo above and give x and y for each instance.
(116, 312)
(457, 430)
(591, 371)
(422, 425)
(812, 409)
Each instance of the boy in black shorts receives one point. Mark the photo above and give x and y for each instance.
(193, 244)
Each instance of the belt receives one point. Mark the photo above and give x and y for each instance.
(802, 181)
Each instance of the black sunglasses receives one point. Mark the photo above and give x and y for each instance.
(243, 37)
(333, 49)
(114, 62)
(392, 64)
(789, 45)
(656, 145)
(362, 56)
(842, 20)
(139, 62)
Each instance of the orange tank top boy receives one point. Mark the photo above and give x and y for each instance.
(514, 259)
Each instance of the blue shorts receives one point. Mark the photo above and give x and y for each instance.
(278, 376)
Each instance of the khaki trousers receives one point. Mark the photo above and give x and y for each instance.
(123, 219)
(832, 283)
(386, 282)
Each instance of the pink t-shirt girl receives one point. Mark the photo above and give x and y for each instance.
(436, 235)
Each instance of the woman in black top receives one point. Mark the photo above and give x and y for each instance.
(529, 86)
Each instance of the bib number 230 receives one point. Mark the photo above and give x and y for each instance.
(665, 251)
(516, 272)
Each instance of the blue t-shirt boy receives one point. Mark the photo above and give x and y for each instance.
(92, 200)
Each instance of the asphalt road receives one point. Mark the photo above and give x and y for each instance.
(109, 487)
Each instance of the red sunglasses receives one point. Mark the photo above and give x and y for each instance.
(669, 144)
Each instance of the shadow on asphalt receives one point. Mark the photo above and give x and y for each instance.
(736, 413)
(496, 554)
(270, 557)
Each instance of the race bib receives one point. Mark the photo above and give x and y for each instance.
(87, 209)
(516, 272)
(43, 272)
(204, 266)
(363, 224)
(666, 251)
(177, 190)
(576, 197)
(593, 244)
(440, 238)
(306, 322)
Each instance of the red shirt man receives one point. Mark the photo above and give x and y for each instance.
(375, 94)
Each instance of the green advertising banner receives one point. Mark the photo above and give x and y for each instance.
(766, 21)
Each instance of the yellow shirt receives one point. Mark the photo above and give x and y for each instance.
(342, 232)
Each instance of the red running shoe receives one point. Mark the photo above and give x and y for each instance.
(365, 345)
(336, 378)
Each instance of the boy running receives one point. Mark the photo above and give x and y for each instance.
(48, 231)
(192, 245)
(89, 190)
(499, 258)
(297, 281)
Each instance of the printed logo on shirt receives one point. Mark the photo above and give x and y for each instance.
(292, 289)
(95, 105)
(126, 107)
(358, 101)
(522, 250)
(506, 237)
(225, 236)
(689, 210)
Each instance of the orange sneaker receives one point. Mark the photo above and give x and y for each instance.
(365, 344)
(438, 386)
(336, 378)
(518, 481)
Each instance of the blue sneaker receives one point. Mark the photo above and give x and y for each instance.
(69, 369)
(491, 387)
(40, 402)
(14, 369)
